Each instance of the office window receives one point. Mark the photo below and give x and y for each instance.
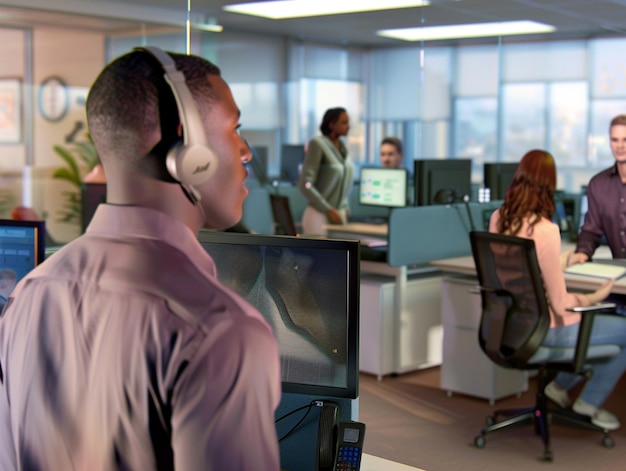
(259, 103)
(602, 112)
(608, 68)
(476, 129)
(394, 95)
(568, 122)
(476, 71)
(523, 119)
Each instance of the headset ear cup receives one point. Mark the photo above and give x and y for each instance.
(191, 164)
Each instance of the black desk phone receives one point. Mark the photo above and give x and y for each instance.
(339, 444)
(350, 437)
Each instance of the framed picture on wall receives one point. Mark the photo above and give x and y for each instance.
(10, 111)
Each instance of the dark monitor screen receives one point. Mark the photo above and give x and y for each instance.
(442, 181)
(498, 177)
(291, 157)
(282, 215)
(22, 247)
(383, 187)
(308, 290)
(258, 164)
(92, 195)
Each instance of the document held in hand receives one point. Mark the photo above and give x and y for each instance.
(598, 270)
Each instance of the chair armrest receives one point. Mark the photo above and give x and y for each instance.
(584, 332)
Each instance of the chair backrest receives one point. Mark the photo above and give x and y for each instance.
(282, 215)
(515, 314)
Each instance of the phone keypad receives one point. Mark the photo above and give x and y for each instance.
(348, 458)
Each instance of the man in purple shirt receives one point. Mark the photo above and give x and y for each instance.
(123, 351)
(606, 199)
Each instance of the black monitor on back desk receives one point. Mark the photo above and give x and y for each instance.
(92, 195)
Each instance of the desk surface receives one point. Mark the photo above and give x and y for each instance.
(380, 230)
(374, 463)
(465, 266)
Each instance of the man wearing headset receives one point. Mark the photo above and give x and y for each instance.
(123, 350)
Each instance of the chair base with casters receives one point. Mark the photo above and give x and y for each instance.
(540, 415)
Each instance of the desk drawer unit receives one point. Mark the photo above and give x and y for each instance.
(465, 369)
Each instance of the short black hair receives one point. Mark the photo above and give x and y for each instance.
(123, 105)
(330, 116)
(394, 141)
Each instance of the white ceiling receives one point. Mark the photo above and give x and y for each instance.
(572, 18)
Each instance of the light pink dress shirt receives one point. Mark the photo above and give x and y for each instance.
(124, 351)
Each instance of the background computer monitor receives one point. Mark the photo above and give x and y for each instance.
(92, 195)
(442, 181)
(257, 167)
(22, 246)
(291, 157)
(386, 187)
(498, 177)
(308, 290)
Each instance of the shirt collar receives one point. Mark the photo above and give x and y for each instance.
(118, 221)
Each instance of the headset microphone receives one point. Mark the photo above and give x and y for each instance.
(190, 161)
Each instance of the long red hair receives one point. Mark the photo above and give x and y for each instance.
(530, 194)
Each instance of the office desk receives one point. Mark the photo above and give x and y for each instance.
(359, 228)
(460, 313)
(465, 266)
(374, 463)
(400, 310)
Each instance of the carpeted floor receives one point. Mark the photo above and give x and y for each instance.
(410, 420)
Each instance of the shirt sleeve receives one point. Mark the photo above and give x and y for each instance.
(224, 403)
(591, 231)
(309, 175)
(8, 459)
(548, 245)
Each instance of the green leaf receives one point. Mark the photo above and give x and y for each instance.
(67, 175)
(85, 152)
(71, 162)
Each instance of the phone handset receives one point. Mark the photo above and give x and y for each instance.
(350, 436)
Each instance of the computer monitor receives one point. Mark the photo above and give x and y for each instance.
(308, 290)
(498, 177)
(386, 187)
(291, 157)
(281, 211)
(22, 247)
(258, 164)
(442, 181)
(92, 195)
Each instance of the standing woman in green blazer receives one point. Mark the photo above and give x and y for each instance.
(327, 174)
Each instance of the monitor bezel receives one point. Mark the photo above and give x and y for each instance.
(422, 169)
(40, 234)
(352, 248)
(389, 170)
(498, 172)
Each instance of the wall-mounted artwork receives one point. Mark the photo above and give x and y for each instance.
(10, 111)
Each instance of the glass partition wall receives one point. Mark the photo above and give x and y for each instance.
(490, 100)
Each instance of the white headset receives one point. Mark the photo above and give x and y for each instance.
(190, 161)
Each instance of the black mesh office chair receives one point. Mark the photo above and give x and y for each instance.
(515, 319)
(282, 215)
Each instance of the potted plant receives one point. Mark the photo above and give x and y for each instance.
(72, 154)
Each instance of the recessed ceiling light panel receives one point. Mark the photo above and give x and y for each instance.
(283, 9)
(476, 30)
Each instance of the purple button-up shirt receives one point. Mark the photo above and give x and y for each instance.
(606, 214)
